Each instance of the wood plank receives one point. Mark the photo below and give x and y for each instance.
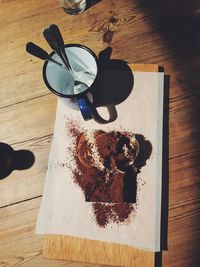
(144, 67)
(27, 183)
(184, 133)
(16, 31)
(28, 120)
(184, 212)
(77, 249)
(27, 126)
(19, 246)
(183, 184)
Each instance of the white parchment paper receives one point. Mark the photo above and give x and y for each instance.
(63, 208)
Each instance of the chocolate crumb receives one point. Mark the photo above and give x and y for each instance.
(107, 213)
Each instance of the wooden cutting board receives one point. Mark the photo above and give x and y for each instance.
(98, 252)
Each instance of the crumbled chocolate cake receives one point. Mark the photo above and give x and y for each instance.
(103, 161)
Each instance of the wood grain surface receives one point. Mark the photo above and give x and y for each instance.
(164, 33)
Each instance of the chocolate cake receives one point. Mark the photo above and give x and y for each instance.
(102, 165)
(117, 150)
(103, 160)
(105, 166)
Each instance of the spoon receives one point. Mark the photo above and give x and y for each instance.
(54, 28)
(60, 44)
(37, 51)
(54, 39)
(51, 40)
(53, 43)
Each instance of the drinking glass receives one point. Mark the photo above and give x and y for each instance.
(73, 7)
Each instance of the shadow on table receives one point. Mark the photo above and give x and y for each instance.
(165, 174)
(177, 22)
(115, 83)
(92, 3)
(11, 160)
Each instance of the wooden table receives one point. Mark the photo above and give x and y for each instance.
(165, 33)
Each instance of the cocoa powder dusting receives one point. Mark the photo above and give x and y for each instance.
(104, 188)
(106, 213)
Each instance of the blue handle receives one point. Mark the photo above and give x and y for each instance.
(85, 108)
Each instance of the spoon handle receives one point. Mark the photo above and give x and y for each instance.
(53, 43)
(55, 30)
(38, 52)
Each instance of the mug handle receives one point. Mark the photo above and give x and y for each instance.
(89, 112)
(85, 108)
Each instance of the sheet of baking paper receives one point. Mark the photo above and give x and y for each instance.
(63, 208)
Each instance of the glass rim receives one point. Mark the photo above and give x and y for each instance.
(69, 95)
